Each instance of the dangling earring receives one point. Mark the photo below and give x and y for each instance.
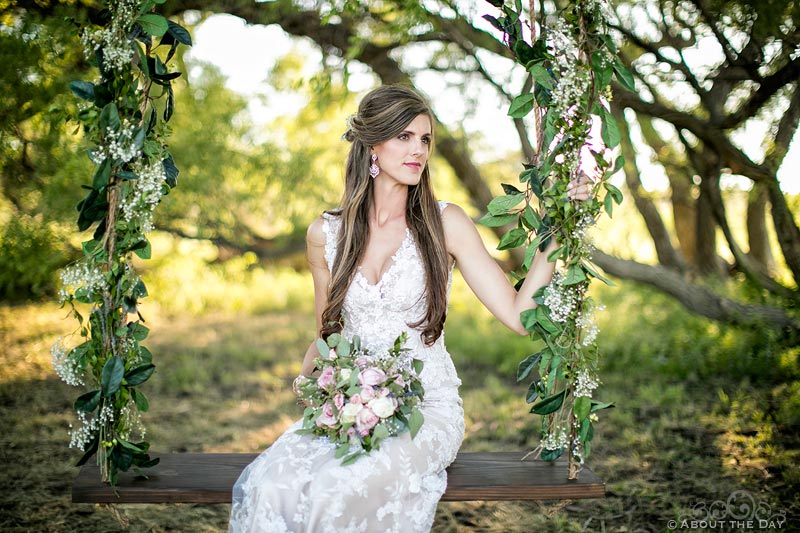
(374, 169)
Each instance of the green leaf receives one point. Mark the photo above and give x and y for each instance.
(586, 432)
(531, 218)
(109, 117)
(111, 376)
(551, 455)
(581, 407)
(521, 105)
(597, 406)
(523, 51)
(541, 75)
(89, 450)
(555, 254)
(603, 69)
(153, 24)
(176, 33)
(169, 108)
(140, 374)
(533, 392)
(379, 433)
(140, 400)
(491, 221)
(512, 239)
(415, 422)
(510, 189)
(500, 205)
(530, 252)
(527, 365)
(322, 348)
(608, 204)
(575, 275)
(82, 89)
(609, 131)
(138, 331)
(550, 404)
(615, 193)
(171, 171)
(136, 449)
(143, 251)
(624, 75)
(350, 459)
(592, 272)
(88, 402)
(121, 458)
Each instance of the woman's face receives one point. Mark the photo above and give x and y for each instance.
(403, 158)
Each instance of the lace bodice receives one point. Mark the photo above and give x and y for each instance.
(298, 485)
(379, 313)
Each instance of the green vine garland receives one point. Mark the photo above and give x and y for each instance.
(124, 117)
(571, 63)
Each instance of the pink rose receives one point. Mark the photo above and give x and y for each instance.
(356, 398)
(338, 401)
(383, 393)
(371, 376)
(362, 362)
(367, 393)
(400, 381)
(327, 417)
(366, 419)
(326, 379)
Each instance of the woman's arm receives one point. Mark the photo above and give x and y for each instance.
(315, 253)
(485, 277)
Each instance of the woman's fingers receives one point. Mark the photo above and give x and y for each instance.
(579, 188)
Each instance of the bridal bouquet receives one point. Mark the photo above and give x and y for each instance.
(359, 398)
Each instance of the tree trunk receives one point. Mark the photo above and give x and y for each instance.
(758, 238)
(667, 255)
(697, 298)
(706, 258)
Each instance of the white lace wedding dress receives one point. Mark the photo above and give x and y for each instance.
(297, 485)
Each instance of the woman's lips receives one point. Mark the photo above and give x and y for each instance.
(415, 166)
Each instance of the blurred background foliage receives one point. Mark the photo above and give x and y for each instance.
(699, 336)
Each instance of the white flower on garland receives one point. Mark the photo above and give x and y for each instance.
(65, 366)
(560, 299)
(143, 194)
(81, 275)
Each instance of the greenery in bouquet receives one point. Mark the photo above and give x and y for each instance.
(358, 399)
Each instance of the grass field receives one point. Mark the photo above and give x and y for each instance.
(702, 411)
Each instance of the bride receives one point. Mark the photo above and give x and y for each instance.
(382, 265)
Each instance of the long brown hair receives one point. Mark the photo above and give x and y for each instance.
(384, 113)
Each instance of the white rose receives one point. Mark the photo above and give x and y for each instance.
(349, 412)
(383, 407)
(344, 373)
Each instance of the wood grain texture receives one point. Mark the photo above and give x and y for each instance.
(209, 477)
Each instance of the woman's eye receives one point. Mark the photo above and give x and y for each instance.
(426, 140)
(403, 137)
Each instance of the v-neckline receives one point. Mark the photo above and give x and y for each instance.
(392, 263)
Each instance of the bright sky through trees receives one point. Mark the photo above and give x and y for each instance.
(221, 38)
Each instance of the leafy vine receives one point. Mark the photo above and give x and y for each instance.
(124, 115)
(571, 62)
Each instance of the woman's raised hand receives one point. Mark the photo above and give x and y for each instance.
(581, 187)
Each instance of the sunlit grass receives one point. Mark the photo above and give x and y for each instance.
(701, 410)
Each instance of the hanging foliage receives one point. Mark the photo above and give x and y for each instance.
(124, 118)
(571, 60)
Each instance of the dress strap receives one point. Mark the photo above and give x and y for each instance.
(330, 226)
(442, 206)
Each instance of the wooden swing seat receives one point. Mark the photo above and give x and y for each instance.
(208, 478)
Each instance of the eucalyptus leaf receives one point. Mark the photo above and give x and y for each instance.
(111, 376)
(512, 239)
(550, 404)
(140, 374)
(153, 24)
(521, 105)
(415, 422)
(500, 205)
(88, 402)
(322, 348)
(527, 365)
